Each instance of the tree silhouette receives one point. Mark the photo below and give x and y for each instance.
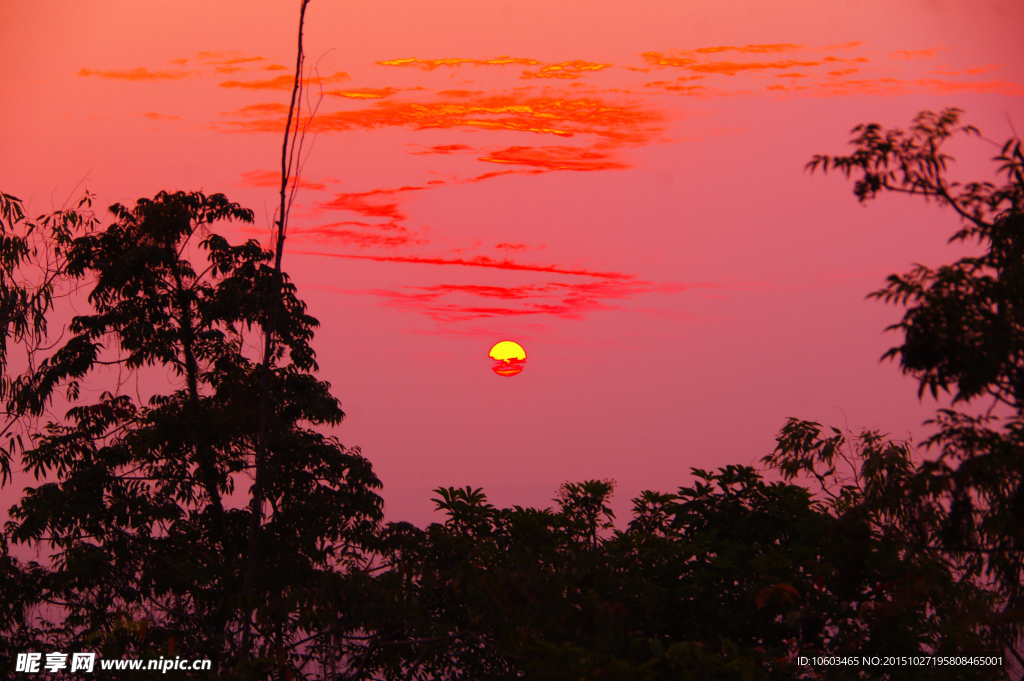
(963, 333)
(149, 548)
(730, 578)
(143, 504)
(32, 267)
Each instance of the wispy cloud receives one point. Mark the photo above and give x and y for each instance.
(478, 261)
(913, 54)
(369, 203)
(431, 64)
(340, 235)
(363, 93)
(443, 149)
(159, 117)
(566, 70)
(556, 158)
(272, 179)
(137, 74)
(461, 303)
(562, 116)
(284, 82)
(774, 48)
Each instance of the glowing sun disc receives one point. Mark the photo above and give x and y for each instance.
(509, 358)
(508, 352)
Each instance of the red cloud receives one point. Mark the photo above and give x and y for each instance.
(479, 261)
(334, 233)
(565, 300)
(272, 179)
(362, 203)
(513, 247)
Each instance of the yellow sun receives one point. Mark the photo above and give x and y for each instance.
(508, 352)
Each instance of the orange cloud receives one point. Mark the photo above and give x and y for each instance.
(154, 116)
(896, 86)
(279, 83)
(674, 86)
(912, 54)
(567, 69)
(844, 46)
(138, 74)
(560, 116)
(431, 64)
(724, 67)
(226, 58)
(555, 158)
(752, 49)
(947, 86)
(967, 72)
(659, 59)
(443, 149)
(284, 82)
(363, 93)
(459, 93)
(732, 68)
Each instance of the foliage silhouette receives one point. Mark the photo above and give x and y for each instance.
(963, 334)
(32, 267)
(732, 577)
(139, 518)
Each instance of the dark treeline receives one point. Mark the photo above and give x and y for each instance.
(870, 548)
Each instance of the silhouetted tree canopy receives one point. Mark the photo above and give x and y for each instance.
(867, 547)
(963, 333)
(140, 520)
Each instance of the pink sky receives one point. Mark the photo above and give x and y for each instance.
(619, 187)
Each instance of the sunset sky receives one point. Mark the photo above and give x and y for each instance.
(618, 187)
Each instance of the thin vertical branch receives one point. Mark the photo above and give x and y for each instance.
(269, 350)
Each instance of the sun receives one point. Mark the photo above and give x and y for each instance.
(509, 357)
(507, 351)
